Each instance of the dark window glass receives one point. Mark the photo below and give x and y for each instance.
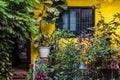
(77, 19)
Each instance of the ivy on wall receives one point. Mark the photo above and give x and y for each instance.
(15, 21)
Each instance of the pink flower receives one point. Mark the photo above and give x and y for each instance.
(115, 66)
(41, 76)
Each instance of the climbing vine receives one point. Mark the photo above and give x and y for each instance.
(15, 21)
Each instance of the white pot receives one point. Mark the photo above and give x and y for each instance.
(44, 51)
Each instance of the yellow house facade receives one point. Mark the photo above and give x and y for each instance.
(108, 8)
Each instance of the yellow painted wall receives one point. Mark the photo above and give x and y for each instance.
(108, 8)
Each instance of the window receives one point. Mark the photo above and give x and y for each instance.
(77, 19)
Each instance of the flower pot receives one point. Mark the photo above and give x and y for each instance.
(44, 51)
(82, 66)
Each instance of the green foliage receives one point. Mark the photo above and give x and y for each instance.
(29, 75)
(98, 49)
(56, 8)
(108, 41)
(15, 21)
(106, 30)
(41, 68)
(12, 18)
(65, 63)
(45, 40)
(52, 9)
(93, 50)
(103, 44)
(56, 44)
(5, 67)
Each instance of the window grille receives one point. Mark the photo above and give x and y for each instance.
(77, 19)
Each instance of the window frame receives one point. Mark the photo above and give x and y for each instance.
(81, 8)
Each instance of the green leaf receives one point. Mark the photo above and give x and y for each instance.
(48, 2)
(64, 7)
(37, 1)
(36, 45)
(3, 4)
(39, 19)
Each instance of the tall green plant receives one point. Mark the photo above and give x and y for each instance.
(105, 41)
(50, 12)
(108, 40)
(15, 21)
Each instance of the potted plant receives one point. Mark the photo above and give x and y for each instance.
(43, 42)
(52, 9)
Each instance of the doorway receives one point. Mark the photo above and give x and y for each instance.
(21, 56)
